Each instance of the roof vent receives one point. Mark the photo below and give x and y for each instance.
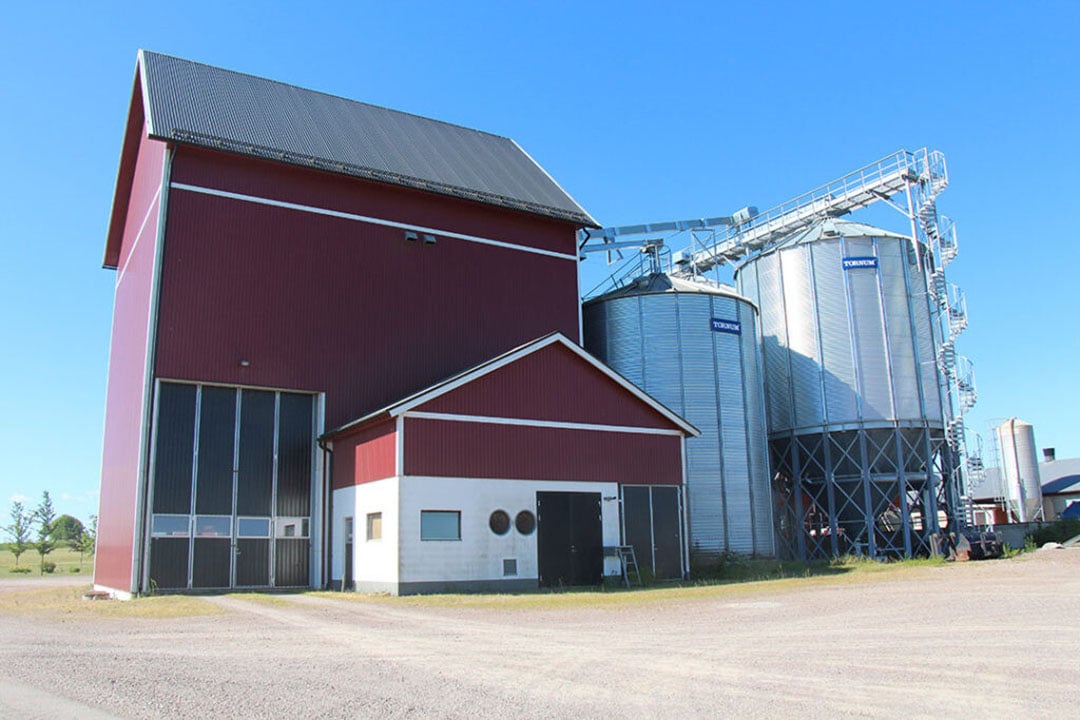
(1049, 454)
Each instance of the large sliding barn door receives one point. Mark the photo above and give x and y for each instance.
(231, 488)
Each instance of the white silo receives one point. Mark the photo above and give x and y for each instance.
(1020, 470)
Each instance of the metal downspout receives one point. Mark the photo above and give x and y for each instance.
(328, 508)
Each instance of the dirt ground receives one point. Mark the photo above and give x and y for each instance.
(998, 639)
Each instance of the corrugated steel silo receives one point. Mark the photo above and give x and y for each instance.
(1020, 469)
(693, 346)
(855, 412)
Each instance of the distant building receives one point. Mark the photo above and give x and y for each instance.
(1060, 491)
(345, 351)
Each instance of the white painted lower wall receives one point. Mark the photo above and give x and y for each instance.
(479, 555)
(375, 562)
(401, 558)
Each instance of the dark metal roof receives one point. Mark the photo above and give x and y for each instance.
(187, 102)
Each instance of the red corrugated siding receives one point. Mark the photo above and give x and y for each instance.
(551, 384)
(367, 455)
(196, 166)
(127, 370)
(476, 450)
(326, 304)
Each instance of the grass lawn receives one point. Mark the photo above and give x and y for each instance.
(62, 603)
(67, 562)
(734, 579)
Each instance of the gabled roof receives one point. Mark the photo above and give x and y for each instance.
(191, 103)
(455, 381)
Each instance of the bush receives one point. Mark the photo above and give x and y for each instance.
(1059, 531)
(20, 570)
(74, 569)
(48, 566)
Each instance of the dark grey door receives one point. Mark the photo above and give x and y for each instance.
(667, 540)
(570, 538)
(652, 524)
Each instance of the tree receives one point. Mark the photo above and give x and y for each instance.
(46, 517)
(67, 529)
(88, 539)
(19, 530)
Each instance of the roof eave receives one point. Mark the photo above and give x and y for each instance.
(125, 174)
(181, 137)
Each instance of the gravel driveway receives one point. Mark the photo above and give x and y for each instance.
(992, 639)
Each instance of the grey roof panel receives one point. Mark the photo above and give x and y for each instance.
(1056, 476)
(189, 102)
(657, 283)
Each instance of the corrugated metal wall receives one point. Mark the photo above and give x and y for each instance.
(124, 421)
(665, 343)
(553, 384)
(838, 343)
(481, 450)
(365, 455)
(321, 303)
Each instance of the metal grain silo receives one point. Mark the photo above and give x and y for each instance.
(1020, 470)
(854, 397)
(693, 346)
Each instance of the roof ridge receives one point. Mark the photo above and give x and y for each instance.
(206, 105)
(324, 93)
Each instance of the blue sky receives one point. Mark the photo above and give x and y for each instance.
(642, 114)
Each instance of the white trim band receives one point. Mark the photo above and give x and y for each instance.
(488, 420)
(371, 220)
(138, 236)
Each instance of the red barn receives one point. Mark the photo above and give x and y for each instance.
(290, 262)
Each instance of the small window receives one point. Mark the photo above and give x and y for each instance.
(253, 527)
(213, 526)
(525, 522)
(170, 526)
(291, 527)
(499, 522)
(440, 525)
(374, 526)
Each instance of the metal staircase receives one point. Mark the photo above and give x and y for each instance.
(918, 177)
(937, 234)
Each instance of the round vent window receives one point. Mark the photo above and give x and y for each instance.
(499, 522)
(525, 522)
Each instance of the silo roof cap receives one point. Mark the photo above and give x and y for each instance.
(830, 228)
(657, 283)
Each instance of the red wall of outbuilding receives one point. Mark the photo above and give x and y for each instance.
(554, 384)
(127, 372)
(352, 309)
(442, 448)
(365, 455)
